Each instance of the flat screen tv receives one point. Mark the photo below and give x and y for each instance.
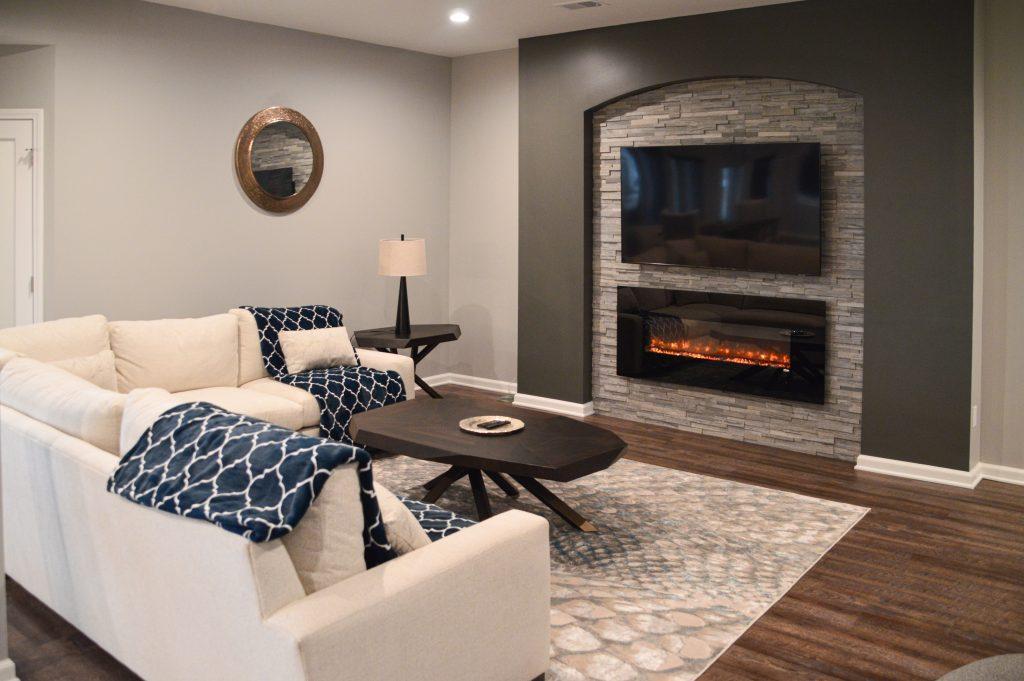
(736, 206)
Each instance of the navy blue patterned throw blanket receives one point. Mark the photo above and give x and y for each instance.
(247, 476)
(341, 392)
(435, 521)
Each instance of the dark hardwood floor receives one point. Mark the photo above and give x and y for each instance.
(46, 648)
(931, 579)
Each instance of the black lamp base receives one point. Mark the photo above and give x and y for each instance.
(402, 327)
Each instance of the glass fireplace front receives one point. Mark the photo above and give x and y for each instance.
(772, 347)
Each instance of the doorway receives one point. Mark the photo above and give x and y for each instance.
(21, 216)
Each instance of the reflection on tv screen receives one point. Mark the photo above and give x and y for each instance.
(737, 206)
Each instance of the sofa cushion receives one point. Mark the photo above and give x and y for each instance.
(316, 349)
(70, 404)
(687, 252)
(250, 359)
(404, 531)
(277, 410)
(176, 354)
(778, 319)
(141, 408)
(800, 305)
(708, 312)
(305, 400)
(98, 369)
(783, 258)
(389, 361)
(327, 545)
(59, 339)
(343, 392)
(724, 252)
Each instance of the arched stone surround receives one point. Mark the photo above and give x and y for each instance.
(744, 110)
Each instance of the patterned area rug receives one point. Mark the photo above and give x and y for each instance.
(682, 564)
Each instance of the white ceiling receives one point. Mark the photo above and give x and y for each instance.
(423, 25)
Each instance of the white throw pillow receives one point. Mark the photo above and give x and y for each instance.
(176, 354)
(326, 546)
(98, 369)
(403, 530)
(68, 403)
(142, 407)
(316, 349)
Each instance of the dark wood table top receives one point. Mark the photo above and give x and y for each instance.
(551, 447)
(420, 334)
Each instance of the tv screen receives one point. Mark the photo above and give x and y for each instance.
(736, 206)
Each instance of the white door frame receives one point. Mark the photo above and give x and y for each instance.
(36, 116)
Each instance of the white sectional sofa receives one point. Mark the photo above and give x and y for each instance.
(176, 599)
(215, 359)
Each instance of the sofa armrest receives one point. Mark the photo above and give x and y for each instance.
(474, 605)
(387, 361)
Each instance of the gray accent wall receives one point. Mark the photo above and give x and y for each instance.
(912, 63)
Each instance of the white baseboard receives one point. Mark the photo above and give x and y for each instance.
(509, 388)
(869, 464)
(491, 384)
(437, 379)
(918, 471)
(991, 471)
(7, 672)
(944, 476)
(556, 406)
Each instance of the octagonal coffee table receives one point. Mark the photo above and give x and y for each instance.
(550, 447)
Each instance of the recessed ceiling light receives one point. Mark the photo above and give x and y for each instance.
(459, 16)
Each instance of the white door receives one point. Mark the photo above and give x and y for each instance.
(16, 222)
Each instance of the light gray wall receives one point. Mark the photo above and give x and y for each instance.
(148, 219)
(978, 243)
(484, 214)
(26, 82)
(1002, 438)
(26, 77)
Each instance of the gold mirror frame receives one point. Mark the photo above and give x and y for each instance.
(243, 159)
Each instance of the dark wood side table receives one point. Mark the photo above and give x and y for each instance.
(551, 447)
(422, 339)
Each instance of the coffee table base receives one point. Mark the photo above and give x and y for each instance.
(439, 485)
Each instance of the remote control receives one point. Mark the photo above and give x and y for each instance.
(492, 424)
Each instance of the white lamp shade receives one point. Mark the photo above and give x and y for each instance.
(399, 258)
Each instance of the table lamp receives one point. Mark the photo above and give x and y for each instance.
(402, 258)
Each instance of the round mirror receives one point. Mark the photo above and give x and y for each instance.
(282, 159)
(279, 159)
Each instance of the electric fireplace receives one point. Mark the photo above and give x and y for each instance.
(771, 347)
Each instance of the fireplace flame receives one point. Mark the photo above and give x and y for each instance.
(721, 351)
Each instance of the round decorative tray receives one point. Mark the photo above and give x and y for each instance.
(470, 425)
